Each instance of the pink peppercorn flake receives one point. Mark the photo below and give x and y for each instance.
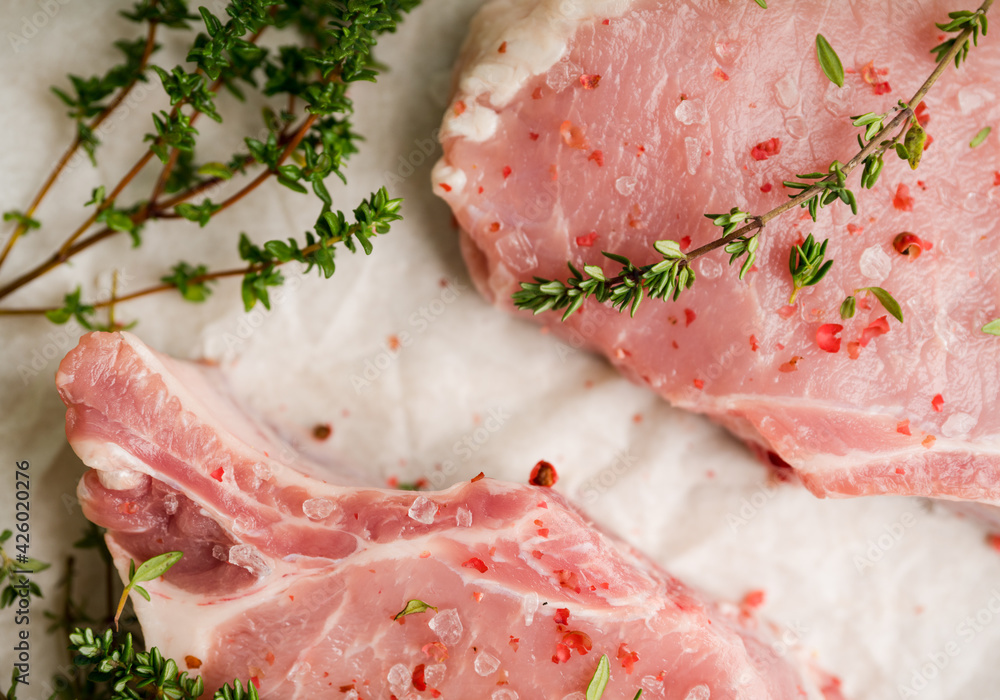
(766, 149)
(597, 157)
(506, 171)
(903, 427)
(588, 240)
(720, 75)
(937, 402)
(217, 474)
(689, 317)
(902, 200)
(827, 337)
(475, 563)
(879, 326)
(766, 187)
(446, 187)
(589, 82)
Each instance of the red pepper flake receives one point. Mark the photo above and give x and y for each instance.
(579, 641)
(872, 76)
(514, 642)
(446, 187)
(937, 402)
(425, 554)
(627, 657)
(900, 471)
(255, 681)
(996, 178)
(506, 171)
(532, 135)
(699, 384)
(589, 82)
(921, 114)
(853, 350)
(536, 94)
(192, 661)
(853, 229)
(503, 49)
(543, 504)
(553, 172)
(478, 596)
(543, 474)
(907, 243)
(477, 477)
(787, 311)
(572, 135)
(753, 599)
(217, 474)
(826, 337)
(543, 532)
(568, 579)
(562, 654)
(689, 317)
(606, 22)
(879, 326)
(720, 75)
(587, 241)
(597, 157)
(480, 189)
(418, 678)
(766, 187)
(459, 108)
(494, 227)
(561, 616)
(791, 365)
(903, 427)
(321, 431)
(130, 508)
(685, 243)
(903, 201)
(928, 441)
(435, 650)
(536, 554)
(393, 342)
(766, 149)
(475, 563)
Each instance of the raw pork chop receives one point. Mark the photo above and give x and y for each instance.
(295, 582)
(584, 126)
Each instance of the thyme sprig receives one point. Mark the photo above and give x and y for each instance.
(896, 129)
(306, 141)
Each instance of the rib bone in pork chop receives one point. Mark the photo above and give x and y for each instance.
(294, 582)
(584, 126)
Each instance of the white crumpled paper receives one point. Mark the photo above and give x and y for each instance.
(894, 595)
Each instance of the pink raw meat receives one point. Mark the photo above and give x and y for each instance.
(701, 106)
(294, 582)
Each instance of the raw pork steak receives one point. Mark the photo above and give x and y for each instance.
(584, 126)
(295, 582)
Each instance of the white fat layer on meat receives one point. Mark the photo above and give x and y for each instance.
(118, 470)
(537, 36)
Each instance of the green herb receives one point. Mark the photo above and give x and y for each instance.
(119, 671)
(308, 136)
(150, 570)
(848, 307)
(638, 695)
(669, 277)
(762, 3)
(595, 689)
(980, 137)
(18, 585)
(887, 301)
(993, 327)
(413, 606)
(806, 264)
(829, 61)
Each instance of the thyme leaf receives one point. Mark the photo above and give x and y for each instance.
(977, 140)
(602, 674)
(829, 61)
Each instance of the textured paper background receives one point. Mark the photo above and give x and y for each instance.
(876, 589)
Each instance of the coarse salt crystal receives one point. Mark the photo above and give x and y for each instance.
(398, 677)
(317, 508)
(875, 263)
(249, 558)
(448, 626)
(504, 694)
(699, 692)
(463, 517)
(434, 674)
(529, 605)
(486, 663)
(691, 112)
(170, 503)
(625, 185)
(423, 510)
